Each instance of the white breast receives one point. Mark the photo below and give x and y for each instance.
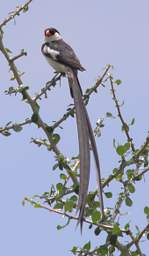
(57, 66)
(53, 53)
(52, 61)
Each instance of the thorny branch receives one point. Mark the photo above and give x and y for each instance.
(41, 124)
(86, 97)
(135, 242)
(48, 86)
(35, 108)
(22, 53)
(139, 237)
(15, 13)
(124, 124)
(104, 226)
(14, 126)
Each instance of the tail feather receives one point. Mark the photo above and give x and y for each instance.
(98, 171)
(85, 134)
(83, 137)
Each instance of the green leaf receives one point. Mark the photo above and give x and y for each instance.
(109, 114)
(37, 205)
(146, 210)
(59, 187)
(55, 166)
(118, 81)
(122, 149)
(131, 188)
(87, 246)
(147, 235)
(116, 230)
(127, 226)
(134, 253)
(103, 250)
(63, 176)
(61, 162)
(58, 205)
(130, 173)
(55, 138)
(108, 194)
(6, 133)
(59, 227)
(63, 226)
(128, 201)
(119, 176)
(132, 121)
(74, 249)
(69, 205)
(90, 198)
(97, 231)
(138, 178)
(74, 198)
(96, 215)
(17, 128)
(115, 171)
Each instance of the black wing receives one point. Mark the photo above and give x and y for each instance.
(66, 55)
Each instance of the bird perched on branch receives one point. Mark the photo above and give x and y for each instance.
(63, 59)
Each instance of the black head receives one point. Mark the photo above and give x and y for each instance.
(50, 32)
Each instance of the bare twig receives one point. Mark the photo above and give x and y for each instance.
(15, 13)
(35, 109)
(138, 237)
(107, 227)
(118, 205)
(134, 242)
(141, 173)
(22, 53)
(143, 148)
(87, 94)
(124, 124)
(48, 86)
(12, 126)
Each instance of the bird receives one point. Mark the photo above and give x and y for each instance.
(63, 59)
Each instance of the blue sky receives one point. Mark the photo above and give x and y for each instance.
(101, 32)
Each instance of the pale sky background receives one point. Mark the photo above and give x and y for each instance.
(101, 32)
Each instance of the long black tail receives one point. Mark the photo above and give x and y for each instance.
(98, 171)
(85, 133)
(95, 153)
(83, 138)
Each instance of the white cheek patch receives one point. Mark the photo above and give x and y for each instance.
(51, 52)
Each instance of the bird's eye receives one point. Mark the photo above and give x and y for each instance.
(52, 31)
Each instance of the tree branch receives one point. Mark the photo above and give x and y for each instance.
(48, 86)
(22, 53)
(124, 124)
(35, 108)
(15, 13)
(86, 96)
(106, 227)
(135, 240)
(13, 126)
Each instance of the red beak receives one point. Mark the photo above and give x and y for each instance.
(47, 33)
